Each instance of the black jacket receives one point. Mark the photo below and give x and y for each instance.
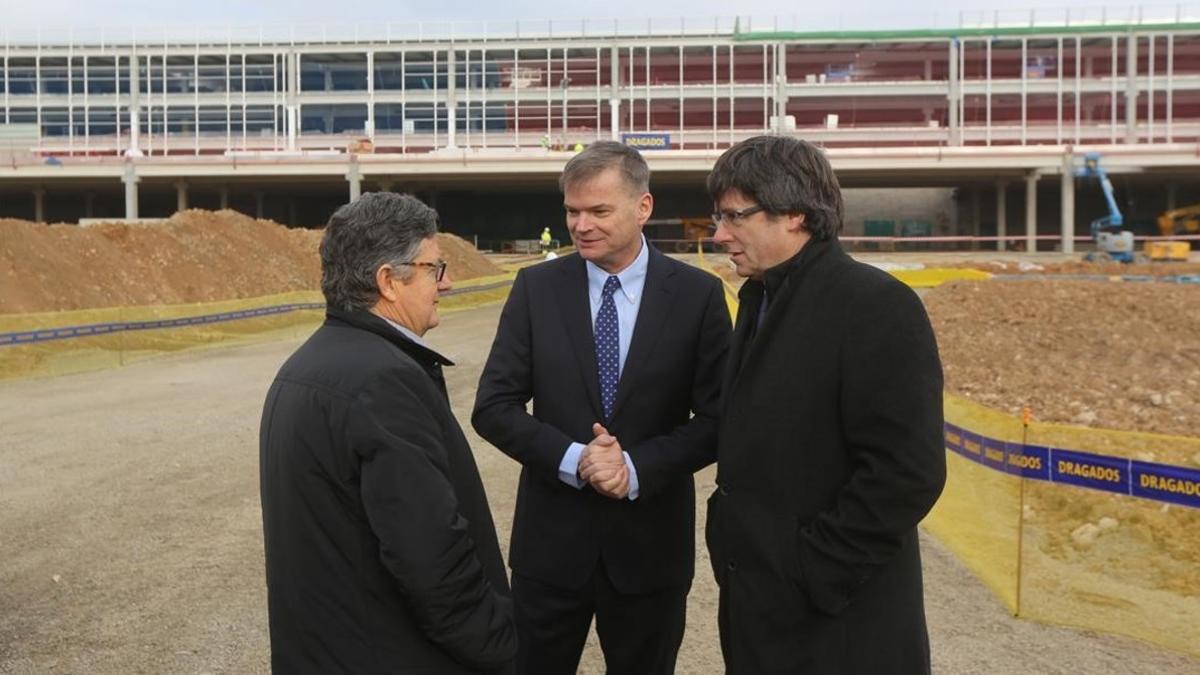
(381, 552)
(830, 453)
(544, 351)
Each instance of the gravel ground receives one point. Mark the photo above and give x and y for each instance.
(131, 530)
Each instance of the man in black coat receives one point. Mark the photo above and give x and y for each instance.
(830, 448)
(621, 350)
(381, 551)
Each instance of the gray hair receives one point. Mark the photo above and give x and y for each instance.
(785, 176)
(601, 156)
(378, 228)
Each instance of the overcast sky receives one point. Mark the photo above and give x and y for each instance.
(54, 17)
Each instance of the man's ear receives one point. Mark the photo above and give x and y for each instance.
(645, 208)
(383, 282)
(796, 223)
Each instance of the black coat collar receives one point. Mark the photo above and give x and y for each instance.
(776, 285)
(369, 322)
(791, 270)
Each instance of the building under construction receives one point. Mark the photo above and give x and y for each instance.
(479, 122)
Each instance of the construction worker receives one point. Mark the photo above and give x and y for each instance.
(546, 239)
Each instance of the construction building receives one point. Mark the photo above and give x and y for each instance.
(479, 122)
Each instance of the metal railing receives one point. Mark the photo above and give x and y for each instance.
(812, 19)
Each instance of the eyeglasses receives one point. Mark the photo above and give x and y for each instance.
(439, 267)
(732, 217)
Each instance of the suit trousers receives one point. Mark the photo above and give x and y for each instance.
(639, 634)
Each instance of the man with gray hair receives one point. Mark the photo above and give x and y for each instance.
(381, 552)
(620, 348)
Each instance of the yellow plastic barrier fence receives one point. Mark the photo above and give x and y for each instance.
(56, 343)
(978, 516)
(936, 276)
(1092, 528)
(731, 294)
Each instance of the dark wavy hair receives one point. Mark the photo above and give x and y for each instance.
(785, 176)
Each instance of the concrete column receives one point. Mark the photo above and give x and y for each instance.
(292, 89)
(1172, 195)
(293, 113)
(451, 100)
(1131, 88)
(1001, 215)
(954, 93)
(354, 177)
(39, 205)
(130, 179)
(976, 214)
(224, 196)
(181, 196)
(1068, 205)
(371, 95)
(614, 91)
(1031, 181)
(292, 211)
(135, 108)
(781, 97)
(260, 200)
(89, 205)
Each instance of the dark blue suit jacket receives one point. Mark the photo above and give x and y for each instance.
(665, 417)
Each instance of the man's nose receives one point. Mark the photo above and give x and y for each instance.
(721, 235)
(582, 222)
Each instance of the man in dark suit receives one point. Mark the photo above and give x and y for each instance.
(381, 552)
(830, 447)
(621, 350)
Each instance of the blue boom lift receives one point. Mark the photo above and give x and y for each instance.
(1112, 243)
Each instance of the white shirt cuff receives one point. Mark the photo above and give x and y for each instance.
(568, 468)
(633, 479)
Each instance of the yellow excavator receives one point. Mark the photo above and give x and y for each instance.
(1175, 222)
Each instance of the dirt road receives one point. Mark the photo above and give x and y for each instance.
(131, 532)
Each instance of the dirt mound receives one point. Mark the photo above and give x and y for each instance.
(195, 256)
(465, 261)
(1113, 355)
(1122, 356)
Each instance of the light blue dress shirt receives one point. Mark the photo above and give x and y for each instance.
(406, 332)
(627, 299)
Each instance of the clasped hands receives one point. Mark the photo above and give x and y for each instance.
(602, 465)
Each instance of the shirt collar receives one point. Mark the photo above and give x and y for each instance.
(633, 278)
(407, 333)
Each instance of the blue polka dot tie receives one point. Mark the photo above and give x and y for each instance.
(608, 346)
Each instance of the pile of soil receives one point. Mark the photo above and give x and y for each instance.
(195, 256)
(1122, 356)
(464, 260)
(1082, 267)
(1099, 354)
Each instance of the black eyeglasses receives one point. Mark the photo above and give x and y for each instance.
(439, 267)
(735, 216)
